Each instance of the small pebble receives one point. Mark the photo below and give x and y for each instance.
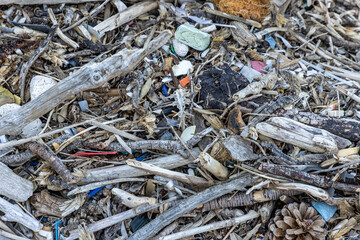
(40, 84)
(180, 49)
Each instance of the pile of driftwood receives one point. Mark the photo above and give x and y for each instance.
(179, 119)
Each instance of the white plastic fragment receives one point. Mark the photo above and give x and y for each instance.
(40, 84)
(29, 130)
(183, 68)
(249, 73)
(180, 49)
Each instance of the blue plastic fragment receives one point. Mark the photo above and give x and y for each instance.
(95, 191)
(326, 211)
(141, 157)
(270, 40)
(34, 163)
(165, 90)
(57, 224)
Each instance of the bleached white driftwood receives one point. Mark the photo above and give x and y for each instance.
(168, 162)
(301, 135)
(213, 166)
(125, 16)
(13, 213)
(152, 169)
(13, 186)
(87, 77)
(132, 201)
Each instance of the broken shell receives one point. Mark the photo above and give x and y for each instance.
(40, 84)
(140, 40)
(180, 49)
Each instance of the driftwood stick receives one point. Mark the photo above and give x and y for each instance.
(343, 127)
(13, 213)
(152, 169)
(26, 66)
(243, 199)
(92, 14)
(313, 179)
(51, 158)
(125, 16)
(13, 186)
(213, 226)
(186, 205)
(87, 77)
(103, 174)
(109, 221)
(313, 191)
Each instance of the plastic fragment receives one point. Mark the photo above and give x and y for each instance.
(84, 106)
(249, 73)
(269, 39)
(192, 37)
(325, 210)
(95, 191)
(185, 81)
(183, 68)
(258, 65)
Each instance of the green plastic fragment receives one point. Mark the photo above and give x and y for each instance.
(192, 37)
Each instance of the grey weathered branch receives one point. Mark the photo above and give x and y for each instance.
(186, 205)
(89, 76)
(13, 213)
(13, 186)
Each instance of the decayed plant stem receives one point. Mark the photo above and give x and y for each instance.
(243, 199)
(51, 158)
(313, 179)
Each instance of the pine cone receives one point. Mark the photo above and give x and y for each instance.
(297, 222)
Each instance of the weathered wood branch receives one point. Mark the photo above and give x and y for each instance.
(343, 127)
(301, 135)
(186, 205)
(313, 179)
(55, 162)
(244, 199)
(89, 76)
(13, 186)
(13, 213)
(103, 174)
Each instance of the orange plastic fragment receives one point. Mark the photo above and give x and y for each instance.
(185, 81)
(249, 9)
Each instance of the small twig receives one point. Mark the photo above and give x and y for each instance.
(37, 53)
(34, 138)
(51, 158)
(338, 167)
(59, 32)
(238, 101)
(93, 13)
(309, 178)
(168, 173)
